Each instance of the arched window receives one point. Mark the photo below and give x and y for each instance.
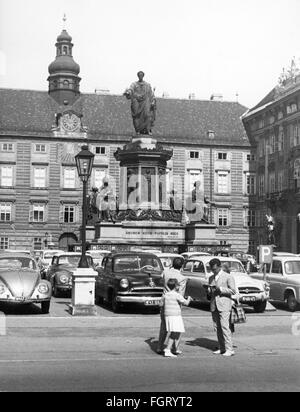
(66, 84)
(65, 50)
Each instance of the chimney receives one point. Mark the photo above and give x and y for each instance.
(165, 95)
(192, 96)
(217, 97)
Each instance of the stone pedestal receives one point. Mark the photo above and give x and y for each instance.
(201, 234)
(83, 292)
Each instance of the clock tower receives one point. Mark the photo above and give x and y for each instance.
(63, 72)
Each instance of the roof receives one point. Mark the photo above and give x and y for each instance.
(32, 113)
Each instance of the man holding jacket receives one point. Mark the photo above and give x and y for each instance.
(221, 289)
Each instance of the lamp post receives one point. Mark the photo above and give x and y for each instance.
(84, 164)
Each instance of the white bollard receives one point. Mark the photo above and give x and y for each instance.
(83, 292)
(2, 324)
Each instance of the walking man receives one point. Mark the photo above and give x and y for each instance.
(173, 273)
(221, 288)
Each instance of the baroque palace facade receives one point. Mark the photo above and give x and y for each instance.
(41, 132)
(273, 127)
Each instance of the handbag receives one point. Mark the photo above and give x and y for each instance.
(237, 314)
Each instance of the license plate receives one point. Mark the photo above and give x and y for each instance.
(21, 299)
(248, 299)
(152, 302)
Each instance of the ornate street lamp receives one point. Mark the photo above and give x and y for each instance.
(84, 164)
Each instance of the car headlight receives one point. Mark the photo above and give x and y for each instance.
(266, 287)
(2, 289)
(124, 283)
(64, 279)
(43, 288)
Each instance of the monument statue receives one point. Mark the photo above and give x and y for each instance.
(93, 212)
(106, 202)
(143, 105)
(197, 205)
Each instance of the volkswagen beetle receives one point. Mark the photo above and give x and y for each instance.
(20, 281)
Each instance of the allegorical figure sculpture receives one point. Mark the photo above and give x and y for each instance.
(106, 202)
(270, 229)
(143, 105)
(197, 205)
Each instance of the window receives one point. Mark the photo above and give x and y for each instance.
(223, 217)
(5, 212)
(280, 115)
(69, 214)
(296, 135)
(272, 144)
(261, 123)
(281, 180)
(7, 147)
(40, 148)
(194, 155)
(199, 267)
(250, 184)
(277, 267)
(280, 139)
(222, 156)
(252, 247)
(261, 185)
(37, 243)
(69, 178)
(250, 157)
(272, 183)
(223, 182)
(100, 150)
(6, 176)
(4, 243)
(250, 220)
(37, 213)
(39, 177)
(99, 175)
(194, 176)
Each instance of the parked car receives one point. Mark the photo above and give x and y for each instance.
(130, 277)
(98, 256)
(283, 276)
(168, 258)
(252, 292)
(20, 281)
(61, 270)
(23, 251)
(190, 255)
(45, 259)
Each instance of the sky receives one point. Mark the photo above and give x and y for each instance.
(231, 47)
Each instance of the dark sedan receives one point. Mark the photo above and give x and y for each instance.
(130, 277)
(61, 270)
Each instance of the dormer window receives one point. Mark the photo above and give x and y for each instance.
(222, 156)
(194, 155)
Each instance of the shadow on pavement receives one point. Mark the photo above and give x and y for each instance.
(20, 309)
(203, 343)
(131, 309)
(152, 342)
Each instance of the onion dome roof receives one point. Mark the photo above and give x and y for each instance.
(64, 64)
(64, 36)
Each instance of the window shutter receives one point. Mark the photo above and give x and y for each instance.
(31, 214)
(76, 214)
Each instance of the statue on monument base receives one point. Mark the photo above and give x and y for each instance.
(143, 105)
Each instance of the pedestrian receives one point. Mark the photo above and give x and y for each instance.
(171, 273)
(221, 288)
(171, 302)
(235, 298)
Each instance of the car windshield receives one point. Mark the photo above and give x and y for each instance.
(73, 260)
(234, 267)
(292, 267)
(135, 263)
(17, 263)
(49, 255)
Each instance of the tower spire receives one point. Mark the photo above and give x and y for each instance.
(64, 21)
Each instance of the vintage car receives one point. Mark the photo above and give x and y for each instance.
(283, 276)
(20, 281)
(190, 255)
(61, 269)
(252, 292)
(130, 277)
(45, 259)
(168, 258)
(98, 256)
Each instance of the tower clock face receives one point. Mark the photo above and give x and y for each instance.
(70, 122)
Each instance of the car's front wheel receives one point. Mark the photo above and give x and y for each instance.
(45, 307)
(115, 305)
(260, 307)
(292, 302)
(55, 290)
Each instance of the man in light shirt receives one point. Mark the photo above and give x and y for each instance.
(172, 273)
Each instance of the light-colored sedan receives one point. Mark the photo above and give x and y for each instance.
(252, 292)
(20, 281)
(283, 276)
(168, 258)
